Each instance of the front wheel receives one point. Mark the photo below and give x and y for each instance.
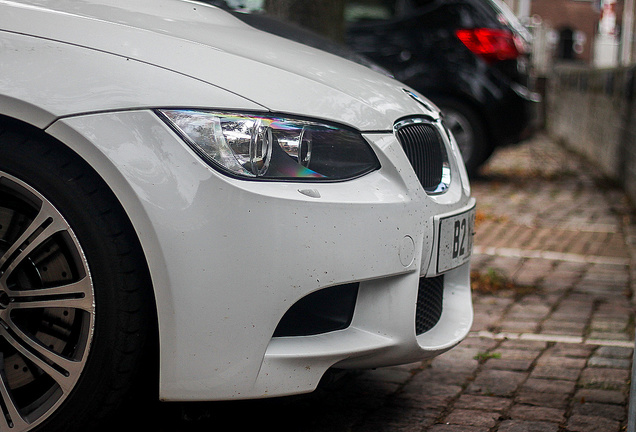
(73, 290)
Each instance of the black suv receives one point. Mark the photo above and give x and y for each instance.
(468, 56)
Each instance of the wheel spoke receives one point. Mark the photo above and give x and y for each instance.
(17, 422)
(62, 370)
(45, 224)
(74, 295)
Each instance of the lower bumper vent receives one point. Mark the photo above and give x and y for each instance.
(323, 311)
(430, 297)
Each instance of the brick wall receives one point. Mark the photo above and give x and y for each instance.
(592, 111)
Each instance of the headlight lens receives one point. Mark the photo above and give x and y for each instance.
(273, 147)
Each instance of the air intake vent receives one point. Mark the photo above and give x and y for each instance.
(425, 149)
(323, 311)
(430, 298)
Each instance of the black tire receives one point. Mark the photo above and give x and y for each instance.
(469, 131)
(75, 296)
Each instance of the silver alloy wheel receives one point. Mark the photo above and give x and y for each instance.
(463, 131)
(47, 307)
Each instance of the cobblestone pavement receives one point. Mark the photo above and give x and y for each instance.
(551, 346)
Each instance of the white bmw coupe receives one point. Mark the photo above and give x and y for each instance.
(182, 192)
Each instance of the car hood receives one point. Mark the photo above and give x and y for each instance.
(208, 44)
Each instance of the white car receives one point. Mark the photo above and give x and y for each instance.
(180, 192)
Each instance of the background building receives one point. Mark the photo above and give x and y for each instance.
(591, 32)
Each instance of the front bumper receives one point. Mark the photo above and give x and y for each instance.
(229, 258)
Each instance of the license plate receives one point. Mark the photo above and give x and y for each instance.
(455, 240)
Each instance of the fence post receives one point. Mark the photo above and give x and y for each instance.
(627, 150)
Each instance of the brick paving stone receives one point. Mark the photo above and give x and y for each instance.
(554, 326)
(614, 309)
(612, 412)
(569, 313)
(426, 395)
(602, 336)
(614, 352)
(530, 412)
(483, 321)
(533, 271)
(613, 325)
(548, 386)
(459, 359)
(576, 302)
(583, 423)
(461, 368)
(497, 383)
(555, 284)
(485, 403)
(456, 428)
(555, 372)
(550, 400)
(508, 364)
(517, 353)
(480, 343)
(472, 418)
(491, 303)
(571, 350)
(507, 265)
(431, 378)
(609, 362)
(421, 391)
(564, 362)
(434, 404)
(602, 396)
(528, 345)
(604, 378)
(527, 426)
(516, 326)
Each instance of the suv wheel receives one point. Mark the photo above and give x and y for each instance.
(469, 133)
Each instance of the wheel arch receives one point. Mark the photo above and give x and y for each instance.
(23, 113)
(107, 174)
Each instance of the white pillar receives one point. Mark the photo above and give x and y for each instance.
(606, 41)
(524, 9)
(627, 34)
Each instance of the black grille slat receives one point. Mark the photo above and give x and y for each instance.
(424, 148)
(430, 296)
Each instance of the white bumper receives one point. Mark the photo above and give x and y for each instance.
(228, 258)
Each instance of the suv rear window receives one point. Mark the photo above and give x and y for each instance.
(369, 10)
(374, 10)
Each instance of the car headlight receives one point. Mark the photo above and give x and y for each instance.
(262, 146)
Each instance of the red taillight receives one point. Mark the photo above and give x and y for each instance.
(491, 44)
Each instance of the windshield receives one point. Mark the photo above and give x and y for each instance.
(245, 5)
